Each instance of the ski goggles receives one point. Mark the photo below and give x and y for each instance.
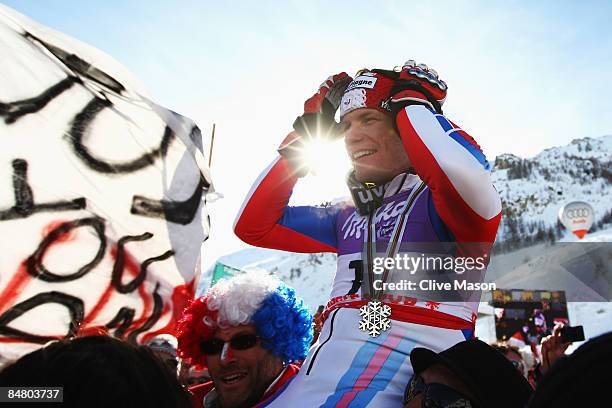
(239, 342)
(435, 395)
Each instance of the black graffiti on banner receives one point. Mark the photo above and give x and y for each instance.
(13, 111)
(74, 305)
(79, 128)
(158, 304)
(34, 264)
(24, 197)
(179, 212)
(122, 321)
(196, 137)
(119, 267)
(79, 66)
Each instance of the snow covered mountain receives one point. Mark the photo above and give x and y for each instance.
(532, 191)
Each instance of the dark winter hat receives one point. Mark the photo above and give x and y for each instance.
(491, 378)
(580, 379)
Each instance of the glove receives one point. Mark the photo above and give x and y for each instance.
(317, 120)
(291, 150)
(417, 85)
(319, 110)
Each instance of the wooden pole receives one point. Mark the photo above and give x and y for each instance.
(212, 142)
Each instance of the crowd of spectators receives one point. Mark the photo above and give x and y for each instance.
(101, 371)
(238, 365)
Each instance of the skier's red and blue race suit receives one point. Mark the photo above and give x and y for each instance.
(450, 199)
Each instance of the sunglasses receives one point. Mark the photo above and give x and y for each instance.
(435, 395)
(239, 342)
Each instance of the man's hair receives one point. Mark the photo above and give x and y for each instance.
(280, 317)
(505, 348)
(163, 343)
(98, 371)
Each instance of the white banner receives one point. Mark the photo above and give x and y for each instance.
(102, 195)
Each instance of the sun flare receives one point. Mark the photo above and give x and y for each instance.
(329, 164)
(326, 158)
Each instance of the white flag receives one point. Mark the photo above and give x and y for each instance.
(102, 195)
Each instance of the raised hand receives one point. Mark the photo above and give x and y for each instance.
(418, 85)
(319, 109)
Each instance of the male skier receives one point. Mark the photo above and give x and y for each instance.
(417, 177)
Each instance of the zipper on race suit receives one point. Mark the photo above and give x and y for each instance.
(331, 331)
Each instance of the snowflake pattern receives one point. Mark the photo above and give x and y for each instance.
(374, 318)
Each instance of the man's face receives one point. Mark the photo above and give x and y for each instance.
(373, 145)
(439, 374)
(242, 376)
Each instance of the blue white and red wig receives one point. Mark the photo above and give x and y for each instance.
(282, 321)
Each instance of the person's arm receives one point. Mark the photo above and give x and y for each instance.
(451, 163)
(552, 348)
(444, 156)
(266, 220)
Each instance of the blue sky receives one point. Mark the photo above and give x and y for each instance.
(551, 59)
(523, 76)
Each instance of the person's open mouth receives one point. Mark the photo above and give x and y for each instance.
(233, 378)
(362, 153)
